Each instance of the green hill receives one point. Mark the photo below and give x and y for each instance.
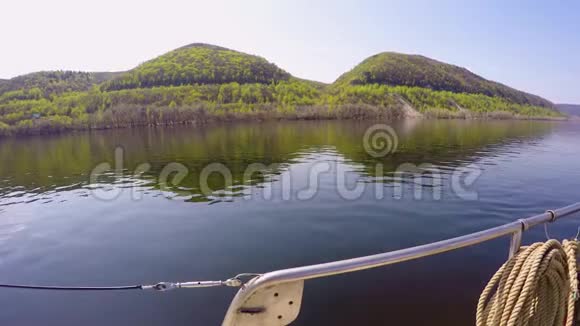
(395, 69)
(46, 83)
(51, 82)
(192, 84)
(199, 64)
(200, 82)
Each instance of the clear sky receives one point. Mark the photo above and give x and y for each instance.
(531, 45)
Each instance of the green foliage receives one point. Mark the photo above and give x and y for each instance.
(202, 82)
(5, 129)
(156, 105)
(397, 69)
(425, 99)
(54, 82)
(190, 103)
(199, 64)
(22, 94)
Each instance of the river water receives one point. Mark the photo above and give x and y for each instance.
(139, 206)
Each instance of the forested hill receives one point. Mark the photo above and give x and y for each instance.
(199, 63)
(46, 83)
(396, 69)
(200, 82)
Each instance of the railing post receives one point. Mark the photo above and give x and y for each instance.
(265, 304)
(515, 243)
(516, 239)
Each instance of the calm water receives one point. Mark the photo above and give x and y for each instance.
(65, 218)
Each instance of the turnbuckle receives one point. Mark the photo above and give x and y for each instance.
(236, 281)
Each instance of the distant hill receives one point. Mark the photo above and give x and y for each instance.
(570, 109)
(202, 82)
(398, 69)
(55, 82)
(199, 63)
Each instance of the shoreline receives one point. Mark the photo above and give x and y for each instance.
(307, 113)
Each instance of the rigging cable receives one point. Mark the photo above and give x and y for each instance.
(236, 281)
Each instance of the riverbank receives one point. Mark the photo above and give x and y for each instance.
(137, 116)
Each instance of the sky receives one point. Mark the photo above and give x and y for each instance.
(530, 45)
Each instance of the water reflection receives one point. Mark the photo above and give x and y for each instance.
(255, 154)
(61, 234)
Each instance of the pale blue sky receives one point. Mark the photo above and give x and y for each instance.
(530, 45)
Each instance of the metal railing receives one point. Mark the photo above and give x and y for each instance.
(274, 298)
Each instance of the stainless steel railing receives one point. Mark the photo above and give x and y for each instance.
(274, 298)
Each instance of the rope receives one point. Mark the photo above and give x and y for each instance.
(537, 287)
